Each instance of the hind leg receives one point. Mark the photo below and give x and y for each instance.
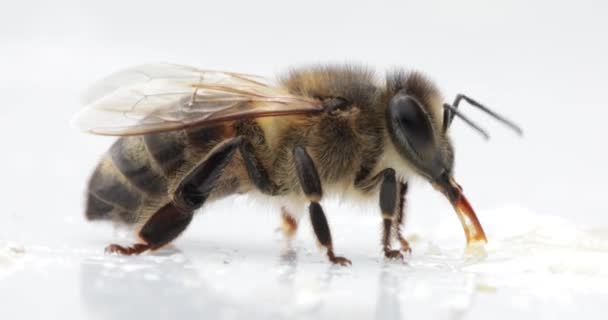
(172, 219)
(164, 226)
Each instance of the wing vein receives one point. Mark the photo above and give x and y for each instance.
(164, 97)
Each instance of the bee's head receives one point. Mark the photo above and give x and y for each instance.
(414, 118)
(414, 121)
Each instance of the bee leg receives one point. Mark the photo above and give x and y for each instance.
(289, 225)
(256, 171)
(171, 220)
(127, 251)
(405, 246)
(258, 175)
(389, 207)
(311, 185)
(160, 229)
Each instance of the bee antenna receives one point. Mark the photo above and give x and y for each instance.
(454, 112)
(487, 110)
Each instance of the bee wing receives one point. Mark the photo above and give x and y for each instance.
(165, 97)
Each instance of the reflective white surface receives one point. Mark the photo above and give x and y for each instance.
(235, 265)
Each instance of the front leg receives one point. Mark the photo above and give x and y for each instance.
(392, 197)
(405, 246)
(311, 186)
(389, 206)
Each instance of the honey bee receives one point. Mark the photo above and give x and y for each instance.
(189, 136)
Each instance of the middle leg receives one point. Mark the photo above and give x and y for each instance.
(311, 186)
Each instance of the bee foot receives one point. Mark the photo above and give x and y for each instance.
(393, 254)
(127, 251)
(339, 260)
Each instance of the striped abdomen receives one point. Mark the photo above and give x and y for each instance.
(135, 177)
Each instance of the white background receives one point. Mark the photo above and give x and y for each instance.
(541, 63)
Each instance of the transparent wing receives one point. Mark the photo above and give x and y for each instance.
(165, 97)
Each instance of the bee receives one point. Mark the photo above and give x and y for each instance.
(189, 136)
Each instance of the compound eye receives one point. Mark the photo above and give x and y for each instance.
(411, 125)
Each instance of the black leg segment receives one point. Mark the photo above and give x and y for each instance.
(389, 206)
(165, 225)
(405, 246)
(196, 186)
(307, 175)
(388, 193)
(311, 186)
(319, 224)
(256, 171)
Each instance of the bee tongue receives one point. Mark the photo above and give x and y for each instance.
(470, 223)
(472, 228)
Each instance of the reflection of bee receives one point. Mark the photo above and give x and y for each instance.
(192, 135)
